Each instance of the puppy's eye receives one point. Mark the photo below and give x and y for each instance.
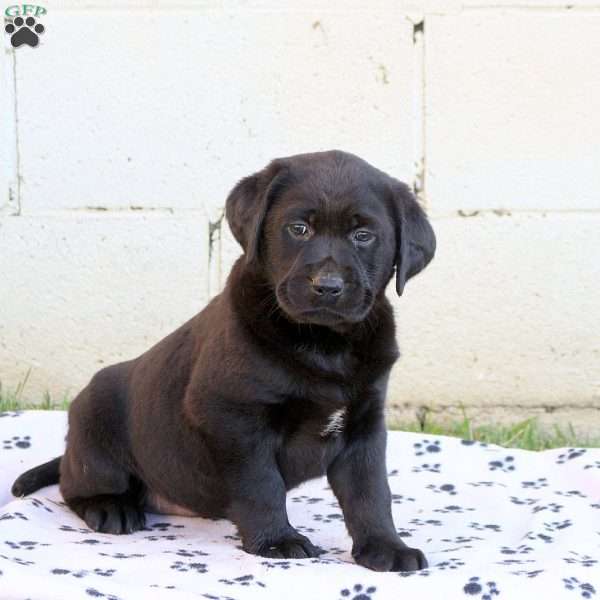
(298, 230)
(363, 237)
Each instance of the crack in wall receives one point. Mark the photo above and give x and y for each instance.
(419, 112)
(214, 250)
(15, 195)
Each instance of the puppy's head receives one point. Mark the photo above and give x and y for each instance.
(327, 230)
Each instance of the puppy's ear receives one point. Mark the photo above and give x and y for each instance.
(248, 203)
(415, 240)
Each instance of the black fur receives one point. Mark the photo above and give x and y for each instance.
(230, 411)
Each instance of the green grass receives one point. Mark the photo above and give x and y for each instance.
(13, 399)
(528, 434)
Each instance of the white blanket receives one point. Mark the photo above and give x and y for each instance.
(493, 523)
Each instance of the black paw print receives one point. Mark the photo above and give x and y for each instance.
(505, 465)
(487, 484)
(121, 555)
(74, 529)
(400, 499)
(522, 549)
(447, 488)
(530, 574)
(552, 507)
(571, 494)
(244, 580)
(475, 586)
(425, 446)
(24, 32)
(525, 501)
(461, 539)
(451, 563)
(556, 525)
(84, 573)
(594, 465)
(453, 508)
(280, 564)
(24, 545)
(358, 592)
(570, 454)
(96, 594)
(473, 442)
(484, 527)
(158, 538)
(420, 523)
(184, 567)
(328, 518)
(406, 532)
(307, 499)
(581, 559)
(39, 504)
(186, 553)
(530, 535)
(420, 573)
(15, 515)
(572, 583)
(539, 483)
(515, 561)
(17, 442)
(426, 467)
(162, 527)
(18, 560)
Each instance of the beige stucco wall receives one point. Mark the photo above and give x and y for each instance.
(123, 131)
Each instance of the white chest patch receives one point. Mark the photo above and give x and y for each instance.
(335, 423)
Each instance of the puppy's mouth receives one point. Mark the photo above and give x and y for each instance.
(320, 316)
(328, 316)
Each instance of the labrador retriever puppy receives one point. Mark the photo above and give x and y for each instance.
(280, 379)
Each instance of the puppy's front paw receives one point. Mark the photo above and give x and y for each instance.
(384, 556)
(294, 545)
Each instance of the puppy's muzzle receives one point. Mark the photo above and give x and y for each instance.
(327, 285)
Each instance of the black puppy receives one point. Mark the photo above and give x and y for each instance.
(281, 378)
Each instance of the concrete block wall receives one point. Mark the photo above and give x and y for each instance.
(123, 131)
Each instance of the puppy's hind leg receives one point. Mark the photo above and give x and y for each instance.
(96, 478)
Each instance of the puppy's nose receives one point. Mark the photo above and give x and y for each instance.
(327, 285)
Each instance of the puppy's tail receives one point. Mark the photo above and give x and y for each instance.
(36, 478)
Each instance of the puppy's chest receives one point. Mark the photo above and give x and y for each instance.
(309, 442)
(301, 418)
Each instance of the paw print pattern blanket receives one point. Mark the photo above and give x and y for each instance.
(493, 523)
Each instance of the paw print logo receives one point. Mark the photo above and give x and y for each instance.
(426, 446)
(358, 592)
(475, 587)
(17, 442)
(24, 31)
